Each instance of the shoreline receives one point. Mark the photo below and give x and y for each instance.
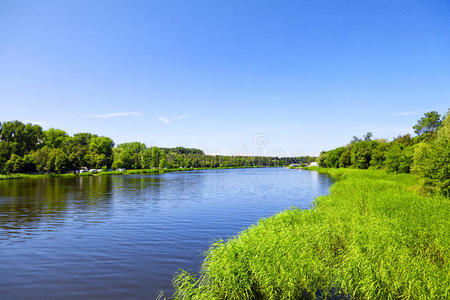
(127, 172)
(373, 236)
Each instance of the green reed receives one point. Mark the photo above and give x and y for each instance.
(374, 237)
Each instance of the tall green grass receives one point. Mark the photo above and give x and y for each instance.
(11, 176)
(373, 237)
(22, 176)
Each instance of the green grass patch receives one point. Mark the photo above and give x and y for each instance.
(85, 174)
(373, 237)
(12, 176)
(108, 173)
(23, 176)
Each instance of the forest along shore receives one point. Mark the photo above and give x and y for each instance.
(28, 149)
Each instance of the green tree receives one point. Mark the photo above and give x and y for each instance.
(156, 155)
(163, 162)
(60, 161)
(20, 138)
(55, 138)
(100, 151)
(121, 158)
(429, 123)
(78, 150)
(345, 159)
(333, 157)
(97, 160)
(379, 155)
(368, 136)
(322, 159)
(29, 165)
(432, 160)
(146, 158)
(129, 155)
(355, 140)
(41, 158)
(361, 154)
(5, 154)
(404, 140)
(14, 164)
(75, 161)
(399, 158)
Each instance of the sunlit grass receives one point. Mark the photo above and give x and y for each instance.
(22, 176)
(11, 176)
(372, 237)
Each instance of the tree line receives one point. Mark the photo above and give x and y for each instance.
(27, 148)
(426, 154)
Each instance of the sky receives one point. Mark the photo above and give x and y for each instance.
(281, 78)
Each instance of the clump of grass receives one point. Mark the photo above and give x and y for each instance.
(22, 176)
(11, 176)
(372, 237)
(65, 175)
(109, 173)
(143, 171)
(85, 174)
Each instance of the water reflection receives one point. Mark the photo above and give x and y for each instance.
(30, 203)
(26, 204)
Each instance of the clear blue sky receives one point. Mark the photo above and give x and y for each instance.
(300, 76)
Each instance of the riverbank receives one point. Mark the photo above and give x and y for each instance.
(373, 236)
(127, 172)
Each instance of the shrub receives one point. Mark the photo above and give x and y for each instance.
(432, 160)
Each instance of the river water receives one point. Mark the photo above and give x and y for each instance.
(110, 237)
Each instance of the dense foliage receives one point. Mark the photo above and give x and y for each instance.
(373, 237)
(427, 154)
(26, 148)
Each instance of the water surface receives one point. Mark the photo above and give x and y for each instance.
(125, 236)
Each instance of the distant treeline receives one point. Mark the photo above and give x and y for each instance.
(427, 154)
(27, 148)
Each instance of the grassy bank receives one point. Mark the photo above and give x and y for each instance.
(127, 172)
(374, 236)
(23, 176)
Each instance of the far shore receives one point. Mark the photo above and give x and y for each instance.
(126, 172)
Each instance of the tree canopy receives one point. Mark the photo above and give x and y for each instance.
(426, 154)
(28, 148)
(430, 122)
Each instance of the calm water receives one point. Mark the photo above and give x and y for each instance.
(125, 236)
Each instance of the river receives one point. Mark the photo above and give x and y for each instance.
(110, 237)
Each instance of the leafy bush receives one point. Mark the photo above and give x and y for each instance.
(399, 158)
(432, 160)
